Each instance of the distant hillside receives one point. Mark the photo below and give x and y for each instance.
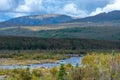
(36, 20)
(113, 16)
(110, 33)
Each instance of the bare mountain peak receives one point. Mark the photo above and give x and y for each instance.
(37, 20)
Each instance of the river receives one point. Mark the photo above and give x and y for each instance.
(73, 60)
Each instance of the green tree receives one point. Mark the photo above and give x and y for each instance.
(62, 73)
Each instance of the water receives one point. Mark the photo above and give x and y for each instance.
(73, 60)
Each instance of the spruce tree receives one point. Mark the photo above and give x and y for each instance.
(62, 73)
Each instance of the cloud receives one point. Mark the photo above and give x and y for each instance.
(113, 5)
(49, 6)
(30, 6)
(76, 8)
(72, 10)
(5, 5)
(26, 7)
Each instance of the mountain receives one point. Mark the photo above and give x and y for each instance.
(104, 26)
(113, 16)
(36, 20)
(51, 19)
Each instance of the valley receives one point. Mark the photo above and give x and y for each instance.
(60, 47)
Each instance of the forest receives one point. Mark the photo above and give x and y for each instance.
(34, 43)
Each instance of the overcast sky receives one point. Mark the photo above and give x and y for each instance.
(76, 8)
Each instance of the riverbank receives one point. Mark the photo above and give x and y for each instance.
(34, 57)
(24, 62)
(72, 60)
(26, 57)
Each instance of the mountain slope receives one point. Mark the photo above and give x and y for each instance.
(110, 33)
(36, 20)
(103, 17)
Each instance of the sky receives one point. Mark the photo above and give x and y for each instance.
(75, 8)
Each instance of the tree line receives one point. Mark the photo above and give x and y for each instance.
(33, 43)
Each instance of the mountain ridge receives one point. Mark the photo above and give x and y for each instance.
(102, 17)
(51, 19)
(36, 20)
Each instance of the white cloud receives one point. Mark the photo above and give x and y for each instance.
(27, 7)
(72, 10)
(5, 5)
(30, 6)
(114, 5)
(38, 6)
